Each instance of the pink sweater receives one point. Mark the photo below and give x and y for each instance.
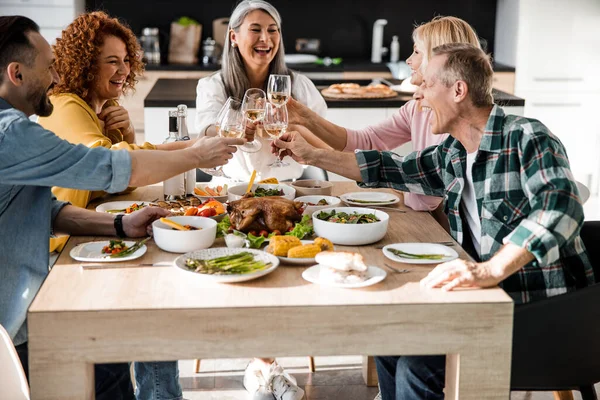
(407, 124)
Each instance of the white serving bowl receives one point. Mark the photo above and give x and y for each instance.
(310, 187)
(309, 210)
(176, 241)
(236, 192)
(351, 234)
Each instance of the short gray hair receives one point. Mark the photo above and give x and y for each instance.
(233, 71)
(465, 62)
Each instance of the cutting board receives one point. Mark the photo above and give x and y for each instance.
(220, 30)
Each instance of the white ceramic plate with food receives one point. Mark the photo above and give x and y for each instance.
(311, 203)
(119, 207)
(92, 252)
(424, 253)
(222, 195)
(212, 253)
(299, 261)
(364, 199)
(375, 275)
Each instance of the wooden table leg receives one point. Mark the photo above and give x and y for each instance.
(563, 395)
(369, 371)
(197, 365)
(478, 376)
(54, 381)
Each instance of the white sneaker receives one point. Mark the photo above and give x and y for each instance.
(255, 383)
(283, 385)
(284, 389)
(378, 397)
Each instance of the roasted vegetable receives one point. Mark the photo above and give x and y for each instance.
(272, 181)
(324, 244)
(304, 251)
(280, 245)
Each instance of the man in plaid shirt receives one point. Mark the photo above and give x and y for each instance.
(510, 198)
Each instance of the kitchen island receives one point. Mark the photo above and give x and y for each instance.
(167, 94)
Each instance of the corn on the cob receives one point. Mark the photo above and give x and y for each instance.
(304, 251)
(280, 245)
(272, 181)
(324, 244)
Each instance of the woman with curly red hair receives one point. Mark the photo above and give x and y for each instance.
(98, 60)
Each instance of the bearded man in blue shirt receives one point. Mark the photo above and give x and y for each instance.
(32, 160)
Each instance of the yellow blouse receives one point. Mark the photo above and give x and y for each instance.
(75, 121)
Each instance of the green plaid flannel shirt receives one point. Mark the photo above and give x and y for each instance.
(526, 195)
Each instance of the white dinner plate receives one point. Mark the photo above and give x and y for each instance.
(299, 261)
(370, 199)
(420, 248)
(375, 274)
(92, 252)
(222, 198)
(119, 205)
(224, 251)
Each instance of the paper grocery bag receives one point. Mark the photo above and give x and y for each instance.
(184, 44)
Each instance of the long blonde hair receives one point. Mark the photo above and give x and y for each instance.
(442, 30)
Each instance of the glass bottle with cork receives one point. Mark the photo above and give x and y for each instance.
(183, 134)
(174, 187)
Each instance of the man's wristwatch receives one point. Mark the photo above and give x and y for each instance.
(119, 226)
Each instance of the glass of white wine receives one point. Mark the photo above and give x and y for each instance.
(253, 107)
(233, 124)
(231, 102)
(279, 89)
(275, 124)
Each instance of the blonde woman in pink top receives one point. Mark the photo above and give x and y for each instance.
(410, 123)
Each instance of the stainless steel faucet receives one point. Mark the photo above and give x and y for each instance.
(377, 48)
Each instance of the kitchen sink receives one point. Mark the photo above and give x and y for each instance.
(363, 82)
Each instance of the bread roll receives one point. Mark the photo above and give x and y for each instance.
(341, 260)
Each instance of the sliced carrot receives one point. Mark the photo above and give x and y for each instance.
(210, 191)
(200, 192)
(191, 211)
(219, 190)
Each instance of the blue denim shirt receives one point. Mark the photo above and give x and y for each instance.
(32, 160)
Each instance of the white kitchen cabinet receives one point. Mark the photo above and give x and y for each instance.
(52, 16)
(554, 46)
(567, 115)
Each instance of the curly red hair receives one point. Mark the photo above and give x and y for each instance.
(77, 50)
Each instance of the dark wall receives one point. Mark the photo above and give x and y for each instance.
(344, 27)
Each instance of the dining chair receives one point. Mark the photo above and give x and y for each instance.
(556, 345)
(13, 383)
(202, 176)
(311, 365)
(584, 192)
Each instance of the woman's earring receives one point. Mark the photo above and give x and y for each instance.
(233, 44)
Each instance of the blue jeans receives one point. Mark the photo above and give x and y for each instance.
(411, 377)
(113, 381)
(157, 380)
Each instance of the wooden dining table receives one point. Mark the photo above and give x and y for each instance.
(128, 312)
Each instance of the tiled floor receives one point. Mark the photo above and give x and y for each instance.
(336, 378)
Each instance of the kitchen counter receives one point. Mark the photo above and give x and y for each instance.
(346, 66)
(172, 92)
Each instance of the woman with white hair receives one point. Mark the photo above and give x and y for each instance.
(253, 50)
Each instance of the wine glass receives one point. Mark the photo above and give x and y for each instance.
(279, 89)
(275, 124)
(253, 107)
(231, 102)
(233, 124)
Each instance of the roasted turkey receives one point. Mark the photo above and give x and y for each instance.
(264, 213)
